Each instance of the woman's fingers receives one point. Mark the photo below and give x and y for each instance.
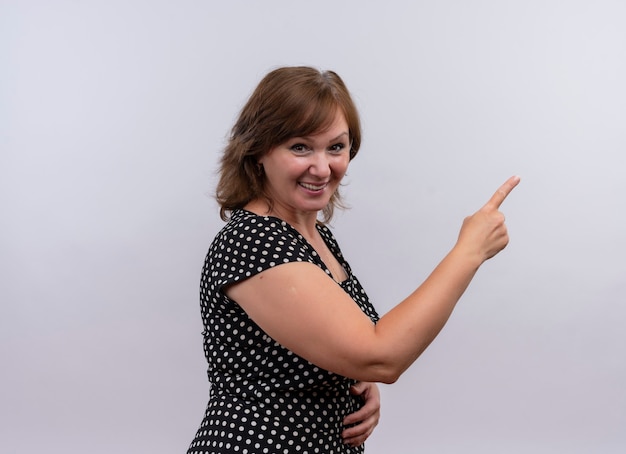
(484, 233)
(502, 193)
(366, 418)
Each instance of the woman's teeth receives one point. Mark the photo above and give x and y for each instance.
(313, 187)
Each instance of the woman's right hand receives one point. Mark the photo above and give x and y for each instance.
(484, 233)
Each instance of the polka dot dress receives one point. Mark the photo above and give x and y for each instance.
(263, 397)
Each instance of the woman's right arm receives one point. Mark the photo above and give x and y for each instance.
(301, 308)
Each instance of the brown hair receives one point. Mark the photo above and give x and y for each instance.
(289, 102)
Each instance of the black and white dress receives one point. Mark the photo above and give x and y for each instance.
(263, 397)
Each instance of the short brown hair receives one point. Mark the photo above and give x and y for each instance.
(288, 102)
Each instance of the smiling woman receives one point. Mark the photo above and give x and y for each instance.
(286, 157)
(293, 343)
(289, 103)
(303, 173)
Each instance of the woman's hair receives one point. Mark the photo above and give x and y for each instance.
(289, 102)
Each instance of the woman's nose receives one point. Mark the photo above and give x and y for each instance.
(320, 164)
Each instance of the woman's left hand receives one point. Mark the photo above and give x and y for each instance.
(366, 419)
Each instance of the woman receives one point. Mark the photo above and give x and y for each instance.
(292, 341)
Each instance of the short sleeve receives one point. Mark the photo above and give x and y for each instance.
(250, 244)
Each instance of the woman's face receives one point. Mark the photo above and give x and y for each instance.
(304, 172)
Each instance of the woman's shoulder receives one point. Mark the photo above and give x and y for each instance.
(246, 230)
(249, 244)
(246, 224)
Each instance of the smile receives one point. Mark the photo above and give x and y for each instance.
(313, 187)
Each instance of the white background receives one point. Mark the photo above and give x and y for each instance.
(112, 118)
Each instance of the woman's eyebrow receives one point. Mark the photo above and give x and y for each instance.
(345, 133)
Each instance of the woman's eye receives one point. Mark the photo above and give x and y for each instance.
(299, 148)
(337, 147)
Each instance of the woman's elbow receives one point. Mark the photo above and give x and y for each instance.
(381, 373)
(390, 378)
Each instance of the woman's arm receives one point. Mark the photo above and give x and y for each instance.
(301, 308)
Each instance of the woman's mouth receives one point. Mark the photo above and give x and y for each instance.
(313, 187)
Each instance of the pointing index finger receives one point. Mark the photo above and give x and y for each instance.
(496, 200)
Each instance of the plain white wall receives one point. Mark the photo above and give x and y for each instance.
(112, 118)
